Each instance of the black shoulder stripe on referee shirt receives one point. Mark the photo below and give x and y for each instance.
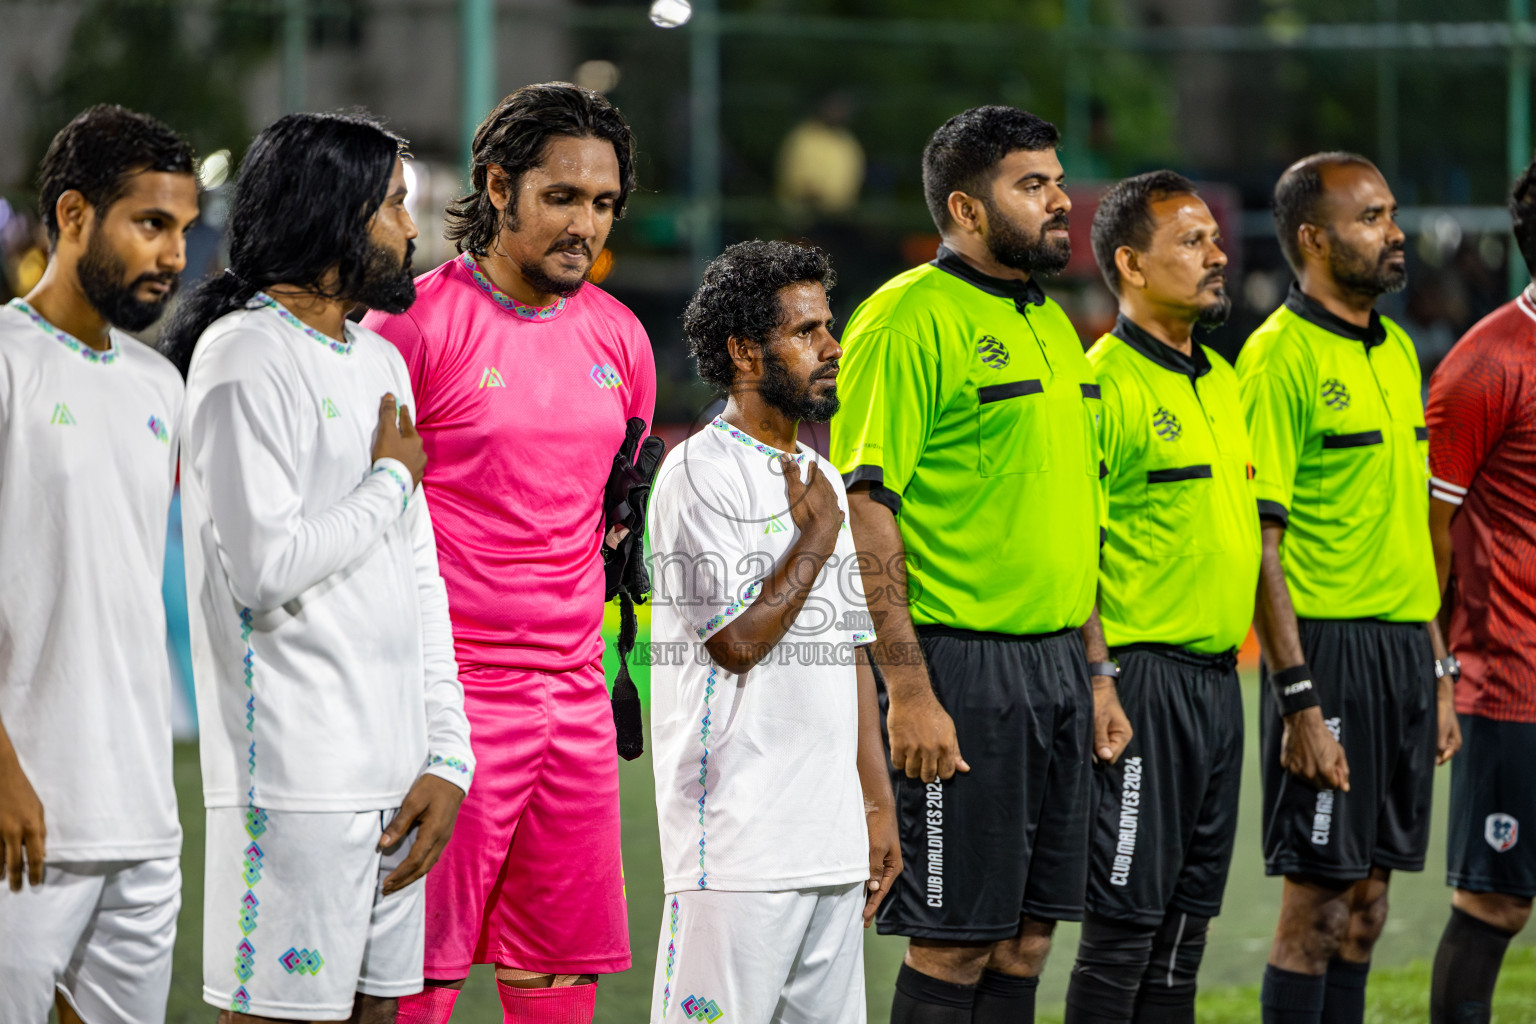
(1091, 391)
(1168, 476)
(1421, 433)
(1361, 440)
(998, 392)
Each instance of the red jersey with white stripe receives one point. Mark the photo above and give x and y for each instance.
(1482, 457)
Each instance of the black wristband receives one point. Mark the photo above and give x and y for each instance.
(1104, 668)
(1293, 689)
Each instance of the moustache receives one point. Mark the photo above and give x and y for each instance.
(166, 277)
(1400, 249)
(829, 370)
(1214, 277)
(1058, 220)
(580, 247)
(410, 251)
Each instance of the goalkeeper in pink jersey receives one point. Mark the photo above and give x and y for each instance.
(525, 377)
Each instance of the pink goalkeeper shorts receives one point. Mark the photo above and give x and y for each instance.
(533, 877)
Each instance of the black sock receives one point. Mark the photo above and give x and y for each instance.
(1289, 997)
(1167, 993)
(920, 999)
(1111, 959)
(1004, 999)
(1466, 969)
(1344, 1000)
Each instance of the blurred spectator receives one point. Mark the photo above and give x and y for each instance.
(821, 164)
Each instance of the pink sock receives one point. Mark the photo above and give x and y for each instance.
(562, 1004)
(432, 1005)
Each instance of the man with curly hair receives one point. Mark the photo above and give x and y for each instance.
(777, 826)
(525, 375)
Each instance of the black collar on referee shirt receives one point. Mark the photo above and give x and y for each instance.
(1193, 366)
(1021, 292)
(1314, 312)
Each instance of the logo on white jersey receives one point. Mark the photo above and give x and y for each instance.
(62, 416)
(490, 377)
(157, 427)
(706, 1010)
(1501, 831)
(330, 410)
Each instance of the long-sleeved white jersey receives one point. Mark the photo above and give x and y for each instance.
(87, 466)
(321, 644)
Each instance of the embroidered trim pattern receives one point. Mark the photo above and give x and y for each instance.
(750, 441)
(709, 692)
(304, 961)
(344, 347)
(255, 828)
(505, 301)
(716, 621)
(405, 490)
(451, 762)
(666, 992)
(71, 342)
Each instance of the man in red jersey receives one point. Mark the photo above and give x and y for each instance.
(1482, 457)
(525, 376)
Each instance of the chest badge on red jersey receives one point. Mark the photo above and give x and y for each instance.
(605, 376)
(490, 377)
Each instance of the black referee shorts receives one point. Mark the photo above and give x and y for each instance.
(1493, 799)
(1166, 812)
(1011, 837)
(1376, 684)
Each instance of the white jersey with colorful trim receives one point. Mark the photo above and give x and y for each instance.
(321, 648)
(757, 786)
(87, 468)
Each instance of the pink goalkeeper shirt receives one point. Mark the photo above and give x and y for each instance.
(521, 411)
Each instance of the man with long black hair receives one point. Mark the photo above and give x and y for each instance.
(88, 420)
(968, 443)
(1351, 723)
(334, 746)
(527, 376)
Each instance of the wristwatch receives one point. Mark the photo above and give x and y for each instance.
(1448, 666)
(1104, 668)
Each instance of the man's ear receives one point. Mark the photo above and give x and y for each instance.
(498, 186)
(746, 355)
(1128, 263)
(73, 212)
(1313, 240)
(966, 212)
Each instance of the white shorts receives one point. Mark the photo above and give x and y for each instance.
(792, 957)
(295, 922)
(101, 933)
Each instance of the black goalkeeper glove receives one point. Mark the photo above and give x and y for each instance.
(625, 500)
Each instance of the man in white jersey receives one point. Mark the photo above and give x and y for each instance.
(88, 420)
(334, 745)
(778, 829)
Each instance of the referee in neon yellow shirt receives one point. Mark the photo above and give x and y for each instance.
(1350, 724)
(1176, 591)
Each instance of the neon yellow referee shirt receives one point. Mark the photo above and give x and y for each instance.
(1340, 445)
(970, 407)
(1181, 565)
